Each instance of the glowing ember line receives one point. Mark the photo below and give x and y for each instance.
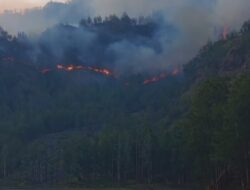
(107, 72)
(175, 72)
(45, 71)
(155, 79)
(71, 68)
(60, 67)
(162, 76)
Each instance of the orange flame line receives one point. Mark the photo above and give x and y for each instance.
(70, 68)
(162, 76)
(107, 72)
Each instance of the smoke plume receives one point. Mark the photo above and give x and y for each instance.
(193, 23)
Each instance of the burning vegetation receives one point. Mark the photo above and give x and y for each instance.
(108, 73)
(162, 76)
(225, 32)
(71, 68)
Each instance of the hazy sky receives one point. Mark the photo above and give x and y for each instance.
(22, 4)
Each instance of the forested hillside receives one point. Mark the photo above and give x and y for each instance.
(70, 116)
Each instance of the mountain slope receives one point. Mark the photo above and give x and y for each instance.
(81, 128)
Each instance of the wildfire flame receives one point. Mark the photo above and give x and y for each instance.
(45, 71)
(71, 68)
(156, 78)
(162, 76)
(225, 32)
(101, 71)
(176, 72)
(107, 72)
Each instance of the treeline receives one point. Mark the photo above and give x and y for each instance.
(213, 135)
(213, 138)
(123, 20)
(125, 27)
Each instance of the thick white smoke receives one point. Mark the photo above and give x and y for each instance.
(196, 21)
(36, 20)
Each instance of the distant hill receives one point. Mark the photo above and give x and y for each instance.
(67, 120)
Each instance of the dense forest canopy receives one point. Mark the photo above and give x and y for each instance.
(65, 120)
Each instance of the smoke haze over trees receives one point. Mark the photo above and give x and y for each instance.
(195, 21)
(77, 127)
